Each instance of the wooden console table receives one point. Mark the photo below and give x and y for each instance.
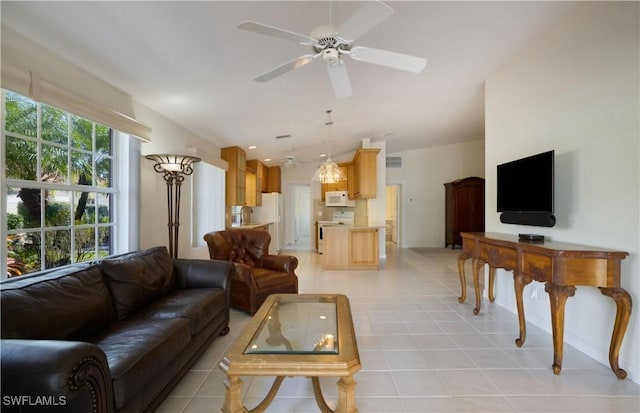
(561, 267)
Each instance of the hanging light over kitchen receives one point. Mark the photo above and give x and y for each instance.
(329, 172)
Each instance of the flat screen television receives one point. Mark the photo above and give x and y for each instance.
(525, 190)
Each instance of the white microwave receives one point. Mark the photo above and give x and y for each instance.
(337, 199)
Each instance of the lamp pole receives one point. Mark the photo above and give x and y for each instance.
(174, 168)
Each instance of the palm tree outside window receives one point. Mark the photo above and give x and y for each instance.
(58, 185)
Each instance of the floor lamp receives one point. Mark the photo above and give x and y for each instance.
(173, 169)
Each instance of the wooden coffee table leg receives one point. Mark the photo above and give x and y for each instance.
(317, 393)
(233, 396)
(346, 395)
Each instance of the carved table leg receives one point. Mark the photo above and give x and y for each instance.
(519, 282)
(558, 295)
(623, 313)
(463, 282)
(233, 396)
(477, 263)
(346, 395)
(492, 279)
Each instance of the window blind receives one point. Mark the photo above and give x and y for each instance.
(30, 84)
(208, 201)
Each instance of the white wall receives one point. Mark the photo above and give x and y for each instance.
(575, 89)
(169, 137)
(422, 176)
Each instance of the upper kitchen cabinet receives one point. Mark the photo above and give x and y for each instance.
(254, 183)
(263, 172)
(273, 180)
(365, 172)
(235, 188)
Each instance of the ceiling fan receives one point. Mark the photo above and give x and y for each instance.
(332, 44)
(290, 160)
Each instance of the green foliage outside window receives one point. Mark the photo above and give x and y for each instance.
(46, 145)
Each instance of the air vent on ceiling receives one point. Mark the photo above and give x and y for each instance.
(283, 136)
(394, 162)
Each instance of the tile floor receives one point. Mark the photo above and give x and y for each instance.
(422, 351)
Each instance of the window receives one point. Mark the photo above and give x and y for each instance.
(58, 186)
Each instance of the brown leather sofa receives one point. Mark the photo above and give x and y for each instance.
(109, 336)
(256, 274)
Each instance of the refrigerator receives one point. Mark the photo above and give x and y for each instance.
(271, 211)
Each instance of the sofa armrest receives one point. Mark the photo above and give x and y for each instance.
(284, 263)
(193, 273)
(54, 375)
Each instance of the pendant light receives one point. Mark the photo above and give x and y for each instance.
(329, 172)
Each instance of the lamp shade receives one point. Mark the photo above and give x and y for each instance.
(173, 163)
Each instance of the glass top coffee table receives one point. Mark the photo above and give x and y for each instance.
(307, 335)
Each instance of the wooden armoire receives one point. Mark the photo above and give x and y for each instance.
(464, 209)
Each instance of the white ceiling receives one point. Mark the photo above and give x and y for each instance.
(190, 62)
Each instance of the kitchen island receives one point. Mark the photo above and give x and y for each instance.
(350, 248)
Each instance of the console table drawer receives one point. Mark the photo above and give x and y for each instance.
(498, 257)
(537, 266)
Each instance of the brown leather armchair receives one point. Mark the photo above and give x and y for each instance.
(256, 274)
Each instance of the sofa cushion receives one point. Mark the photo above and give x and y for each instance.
(72, 303)
(199, 306)
(139, 349)
(138, 278)
(268, 278)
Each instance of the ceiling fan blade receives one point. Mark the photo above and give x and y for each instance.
(274, 32)
(364, 19)
(394, 60)
(340, 79)
(290, 65)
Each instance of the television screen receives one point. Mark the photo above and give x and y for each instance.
(526, 185)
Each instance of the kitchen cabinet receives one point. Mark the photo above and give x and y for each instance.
(363, 248)
(235, 188)
(335, 245)
(464, 209)
(350, 248)
(351, 180)
(263, 172)
(273, 179)
(254, 183)
(365, 172)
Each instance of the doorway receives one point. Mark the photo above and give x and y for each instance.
(392, 213)
(302, 217)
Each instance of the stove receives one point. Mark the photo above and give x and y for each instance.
(345, 218)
